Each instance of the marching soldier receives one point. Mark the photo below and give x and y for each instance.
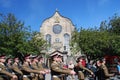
(8, 64)
(35, 67)
(42, 66)
(56, 70)
(63, 67)
(4, 72)
(17, 68)
(29, 73)
(79, 69)
(60, 61)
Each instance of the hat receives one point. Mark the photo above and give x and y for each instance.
(60, 55)
(15, 58)
(34, 57)
(54, 55)
(27, 56)
(40, 56)
(9, 59)
(2, 56)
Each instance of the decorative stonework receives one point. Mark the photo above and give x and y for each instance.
(57, 38)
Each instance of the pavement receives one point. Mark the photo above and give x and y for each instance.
(48, 77)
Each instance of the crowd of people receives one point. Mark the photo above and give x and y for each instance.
(33, 68)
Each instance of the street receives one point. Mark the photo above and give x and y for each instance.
(48, 77)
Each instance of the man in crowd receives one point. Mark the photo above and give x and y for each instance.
(79, 68)
(103, 73)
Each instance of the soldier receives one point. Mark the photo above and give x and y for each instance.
(103, 73)
(42, 66)
(56, 70)
(27, 69)
(79, 69)
(35, 67)
(64, 67)
(3, 70)
(8, 64)
(60, 61)
(17, 68)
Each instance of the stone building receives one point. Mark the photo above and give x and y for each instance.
(57, 30)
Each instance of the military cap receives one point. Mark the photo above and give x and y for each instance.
(15, 58)
(34, 57)
(2, 56)
(40, 56)
(60, 55)
(54, 55)
(27, 56)
(9, 59)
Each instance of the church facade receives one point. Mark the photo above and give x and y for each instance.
(57, 30)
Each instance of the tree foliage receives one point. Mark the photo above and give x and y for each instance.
(114, 25)
(15, 37)
(99, 42)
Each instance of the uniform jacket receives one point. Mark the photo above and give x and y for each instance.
(26, 68)
(3, 70)
(16, 68)
(55, 69)
(40, 66)
(105, 70)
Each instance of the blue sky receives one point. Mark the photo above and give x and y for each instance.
(85, 13)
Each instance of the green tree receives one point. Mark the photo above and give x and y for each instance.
(37, 43)
(15, 37)
(13, 34)
(114, 24)
(74, 42)
(91, 41)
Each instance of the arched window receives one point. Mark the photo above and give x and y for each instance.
(48, 39)
(66, 41)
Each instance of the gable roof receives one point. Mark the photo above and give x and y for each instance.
(56, 52)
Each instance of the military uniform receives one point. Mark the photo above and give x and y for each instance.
(104, 72)
(29, 73)
(27, 69)
(1, 78)
(42, 66)
(9, 65)
(17, 70)
(56, 71)
(4, 72)
(35, 67)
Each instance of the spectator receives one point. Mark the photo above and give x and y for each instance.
(103, 73)
(71, 65)
(118, 67)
